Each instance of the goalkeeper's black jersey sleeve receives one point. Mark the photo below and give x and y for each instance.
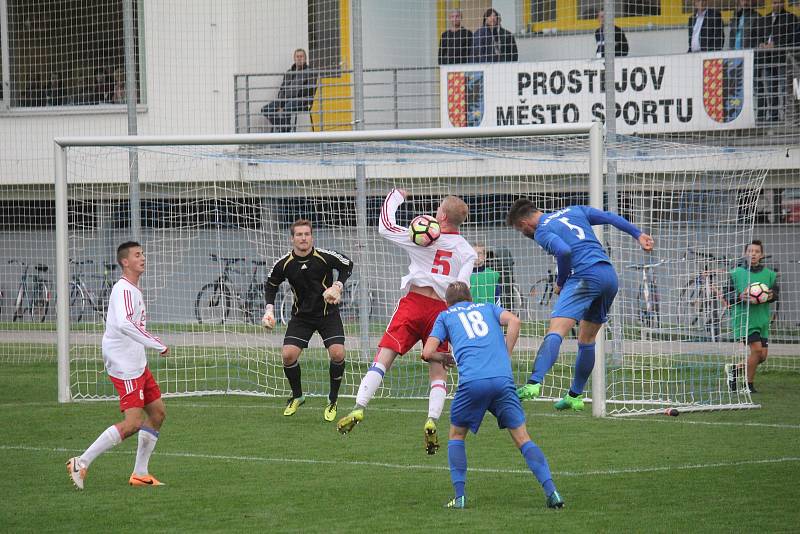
(309, 277)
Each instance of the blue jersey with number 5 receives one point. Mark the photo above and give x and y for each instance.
(568, 235)
(478, 341)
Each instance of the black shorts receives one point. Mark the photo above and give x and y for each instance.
(756, 336)
(300, 330)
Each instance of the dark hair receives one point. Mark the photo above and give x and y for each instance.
(522, 208)
(300, 222)
(755, 242)
(489, 12)
(122, 250)
(457, 292)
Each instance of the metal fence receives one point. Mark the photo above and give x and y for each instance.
(409, 98)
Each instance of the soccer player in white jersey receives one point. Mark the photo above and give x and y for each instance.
(124, 341)
(449, 259)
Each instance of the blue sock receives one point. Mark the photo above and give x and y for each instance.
(537, 463)
(546, 356)
(457, 458)
(584, 364)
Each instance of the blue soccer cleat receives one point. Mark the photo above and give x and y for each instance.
(458, 503)
(555, 501)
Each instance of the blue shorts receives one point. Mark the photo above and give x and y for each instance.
(588, 295)
(497, 395)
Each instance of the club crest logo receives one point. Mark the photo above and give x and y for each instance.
(723, 88)
(465, 98)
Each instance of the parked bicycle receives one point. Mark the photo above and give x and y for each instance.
(33, 297)
(703, 294)
(82, 300)
(217, 300)
(648, 297)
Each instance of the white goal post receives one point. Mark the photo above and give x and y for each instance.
(230, 198)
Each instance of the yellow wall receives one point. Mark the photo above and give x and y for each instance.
(333, 107)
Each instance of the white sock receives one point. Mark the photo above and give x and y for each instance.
(436, 398)
(370, 384)
(147, 442)
(107, 440)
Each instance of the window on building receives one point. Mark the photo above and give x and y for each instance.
(588, 9)
(67, 52)
(324, 36)
(543, 10)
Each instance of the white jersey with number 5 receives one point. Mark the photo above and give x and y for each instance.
(450, 258)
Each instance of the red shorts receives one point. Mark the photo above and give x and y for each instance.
(137, 392)
(412, 321)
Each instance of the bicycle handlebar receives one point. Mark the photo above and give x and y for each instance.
(229, 261)
(640, 266)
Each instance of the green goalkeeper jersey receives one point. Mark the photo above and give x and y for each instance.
(483, 285)
(747, 318)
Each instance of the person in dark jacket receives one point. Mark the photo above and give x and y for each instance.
(779, 30)
(295, 94)
(744, 27)
(491, 43)
(706, 30)
(620, 41)
(455, 46)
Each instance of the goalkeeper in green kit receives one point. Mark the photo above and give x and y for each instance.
(749, 317)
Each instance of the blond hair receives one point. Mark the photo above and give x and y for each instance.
(455, 209)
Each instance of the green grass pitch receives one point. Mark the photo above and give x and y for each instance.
(236, 464)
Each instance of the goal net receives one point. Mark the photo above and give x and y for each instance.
(215, 217)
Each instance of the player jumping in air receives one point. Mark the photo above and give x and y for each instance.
(124, 341)
(432, 269)
(485, 382)
(309, 271)
(586, 285)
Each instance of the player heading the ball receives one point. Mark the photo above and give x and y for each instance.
(485, 383)
(586, 281)
(124, 341)
(309, 271)
(431, 269)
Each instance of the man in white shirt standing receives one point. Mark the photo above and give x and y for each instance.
(124, 341)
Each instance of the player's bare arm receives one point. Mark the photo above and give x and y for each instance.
(513, 325)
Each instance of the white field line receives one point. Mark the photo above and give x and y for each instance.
(417, 467)
(177, 404)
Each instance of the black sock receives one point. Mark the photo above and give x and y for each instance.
(335, 371)
(532, 381)
(573, 394)
(750, 386)
(292, 373)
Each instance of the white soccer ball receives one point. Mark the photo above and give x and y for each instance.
(424, 230)
(758, 293)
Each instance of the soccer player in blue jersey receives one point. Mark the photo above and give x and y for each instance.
(485, 382)
(586, 285)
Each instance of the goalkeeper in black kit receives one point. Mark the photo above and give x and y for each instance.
(309, 271)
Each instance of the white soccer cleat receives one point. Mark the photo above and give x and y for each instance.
(76, 472)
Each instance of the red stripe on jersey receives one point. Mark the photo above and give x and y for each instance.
(128, 304)
(129, 309)
(385, 217)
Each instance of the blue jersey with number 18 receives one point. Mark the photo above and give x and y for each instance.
(478, 341)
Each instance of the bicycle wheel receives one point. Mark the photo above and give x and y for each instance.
(76, 303)
(285, 310)
(40, 303)
(19, 309)
(213, 304)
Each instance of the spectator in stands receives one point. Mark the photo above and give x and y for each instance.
(492, 43)
(744, 27)
(455, 46)
(296, 94)
(120, 96)
(706, 32)
(484, 282)
(779, 30)
(620, 41)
